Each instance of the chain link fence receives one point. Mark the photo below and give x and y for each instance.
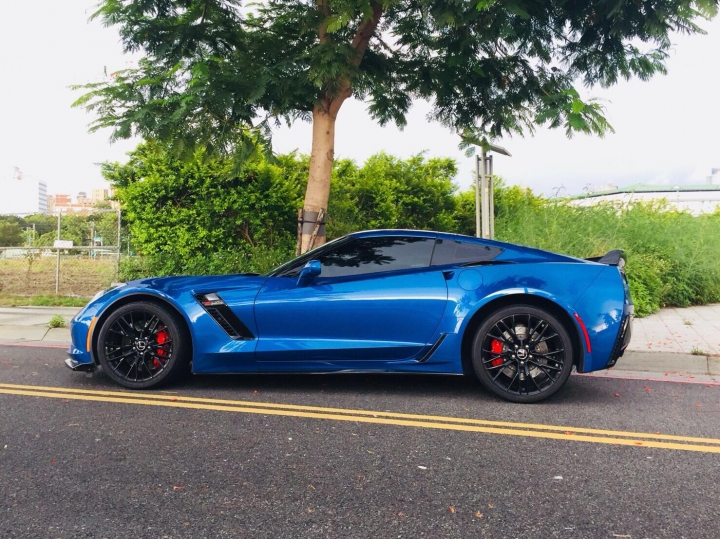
(69, 254)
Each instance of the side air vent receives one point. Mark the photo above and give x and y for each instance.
(226, 319)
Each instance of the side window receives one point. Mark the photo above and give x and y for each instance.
(459, 252)
(374, 255)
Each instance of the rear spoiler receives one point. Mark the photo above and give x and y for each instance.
(615, 257)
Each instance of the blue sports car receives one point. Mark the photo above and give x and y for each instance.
(390, 301)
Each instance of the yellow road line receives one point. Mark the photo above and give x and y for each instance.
(177, 403)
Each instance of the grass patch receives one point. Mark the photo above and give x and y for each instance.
(7, 300)
(57, 321)
(35, 275)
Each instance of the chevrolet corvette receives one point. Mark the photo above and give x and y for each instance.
(384, 301)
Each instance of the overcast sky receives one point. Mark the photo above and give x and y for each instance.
(667, 130)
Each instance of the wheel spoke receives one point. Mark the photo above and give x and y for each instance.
(544, 365)
(126, 329)
(511, 331)
(548, 354)
(509, 386)
(122, 356)
(500, 337)
(535, 340)
(501, 366)
(547, 338)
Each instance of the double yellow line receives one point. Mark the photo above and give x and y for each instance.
(531, 430)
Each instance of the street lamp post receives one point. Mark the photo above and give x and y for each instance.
(484, 186)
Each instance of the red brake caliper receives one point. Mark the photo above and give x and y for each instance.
(162, 338)
(496, 347)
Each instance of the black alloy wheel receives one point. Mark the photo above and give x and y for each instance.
(142, 345)
(523, 354)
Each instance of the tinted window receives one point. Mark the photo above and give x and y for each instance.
(372, 255)
(458, 252)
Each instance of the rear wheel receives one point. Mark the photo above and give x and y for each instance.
(143, 345)
(522, 354)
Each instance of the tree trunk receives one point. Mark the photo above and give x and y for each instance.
(312, 229)
(321, 161)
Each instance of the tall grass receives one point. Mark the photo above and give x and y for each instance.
(673, 257)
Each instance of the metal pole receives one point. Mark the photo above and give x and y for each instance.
(491, 185)
(477, 196)
(119, 222)
(485, 212)
(57, 261)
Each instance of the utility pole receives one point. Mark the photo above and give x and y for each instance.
(484, 187)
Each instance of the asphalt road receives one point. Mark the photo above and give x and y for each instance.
(79, 460)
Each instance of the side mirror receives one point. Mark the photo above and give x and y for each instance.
(311, 270)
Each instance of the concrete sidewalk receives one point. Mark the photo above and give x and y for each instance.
(30, 324)
(671, 342)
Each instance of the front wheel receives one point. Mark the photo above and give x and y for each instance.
(522, 354)
(143, 345)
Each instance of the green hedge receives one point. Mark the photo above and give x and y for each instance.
(204, 217)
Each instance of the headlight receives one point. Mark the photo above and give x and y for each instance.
(113, 286)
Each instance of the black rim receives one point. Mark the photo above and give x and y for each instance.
(138, 346)
(523, 354)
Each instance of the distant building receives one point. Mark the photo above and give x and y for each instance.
(697, 199)
(714, 178)
(83, 204)
(21, 194)
(100, 195)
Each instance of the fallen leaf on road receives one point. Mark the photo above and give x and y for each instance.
(174, 399)
(698, 405)
(310, 510)
(452, 509)
(186, 523)
(53, 462)
(568, 432)
(617, 394)
(401, 514)
(423, 467)
(311, 486)
(638, 443)
(478, 514)
(177, 487)
(491, 506)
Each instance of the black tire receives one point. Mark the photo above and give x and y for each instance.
(522, 354)
(143, 345)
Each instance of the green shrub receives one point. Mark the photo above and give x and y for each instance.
(57, 321)
(202, 217)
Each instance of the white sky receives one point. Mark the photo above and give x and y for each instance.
(667, 130)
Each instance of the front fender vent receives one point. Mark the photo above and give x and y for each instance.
(223, 315)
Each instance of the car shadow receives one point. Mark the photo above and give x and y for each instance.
(337, 386)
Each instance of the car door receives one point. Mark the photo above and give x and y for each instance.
(376, 298)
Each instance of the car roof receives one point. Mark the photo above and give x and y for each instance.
(424, 234)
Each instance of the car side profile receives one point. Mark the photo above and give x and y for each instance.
(384, 301)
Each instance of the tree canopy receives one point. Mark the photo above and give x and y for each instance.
(218, 75)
